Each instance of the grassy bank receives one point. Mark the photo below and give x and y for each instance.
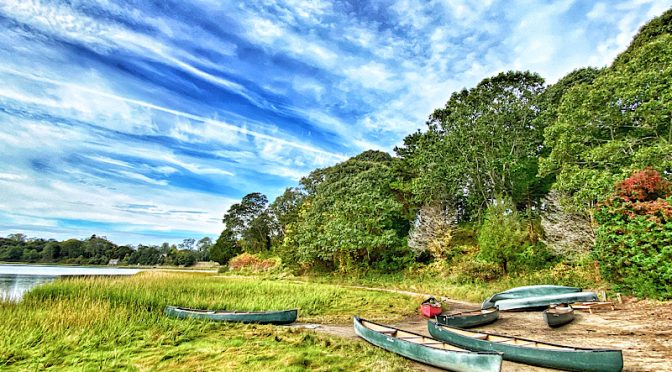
(451, 283)
(118, 323)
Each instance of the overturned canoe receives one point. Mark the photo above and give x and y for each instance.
(469, 319)
(261, 317)
(527, 291)
(425, 349)
(529, 351)
(558, 316)
(541, 302)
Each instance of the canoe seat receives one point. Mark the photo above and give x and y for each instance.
(409, 338)
(480, 336)
(390, 332)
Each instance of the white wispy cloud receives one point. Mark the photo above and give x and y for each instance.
(107, 105)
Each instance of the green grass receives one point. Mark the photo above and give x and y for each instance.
(439, 283)
(117, 323)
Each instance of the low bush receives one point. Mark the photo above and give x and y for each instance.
(253, 263)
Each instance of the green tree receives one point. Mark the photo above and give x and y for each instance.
(225, 248)
(249, 223)
(350, 217)
(483, 143)
(502, 236)
(51, 252)
(203, 247)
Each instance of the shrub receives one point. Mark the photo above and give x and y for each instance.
(634, 240)
(253, 263)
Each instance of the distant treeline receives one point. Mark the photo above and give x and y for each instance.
(97, 250)
(509, 176)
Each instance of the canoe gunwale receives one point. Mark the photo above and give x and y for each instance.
(220, 312)
(469, 319)
(567, 348)
(475, 312)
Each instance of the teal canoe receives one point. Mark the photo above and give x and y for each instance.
(532, 352)
(528, 291)
(558, 316)
(469, 319)
(542, 302)
(425, 349)
(261, 317)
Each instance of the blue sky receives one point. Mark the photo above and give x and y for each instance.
(143, 121)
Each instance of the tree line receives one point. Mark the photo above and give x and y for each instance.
(495, 160)
(98, 250)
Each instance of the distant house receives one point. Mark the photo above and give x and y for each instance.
(114, 262)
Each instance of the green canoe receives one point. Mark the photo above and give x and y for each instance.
(529, 351)
(558, 316)
(425, 349)
(542, 302)
(528, 291)
(469, 319)
(262, 317)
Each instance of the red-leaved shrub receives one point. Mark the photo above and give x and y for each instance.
(645, 185)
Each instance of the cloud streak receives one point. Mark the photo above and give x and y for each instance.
(148, 120)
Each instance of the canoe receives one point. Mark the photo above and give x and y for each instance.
(431, 307)
(469, 319)
(261, 317)
(541, 302)
(425, 349)
(527, 291)
(430, 310)
(558, 316)
(532, 352)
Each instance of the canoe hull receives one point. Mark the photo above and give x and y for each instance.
(462, 361)
(468, 321)
(558, 319)
(570, 360)
(265, 317)
(538, 302)
(430, 311)
(528, 291)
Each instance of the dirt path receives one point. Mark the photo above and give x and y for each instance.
(642, 329)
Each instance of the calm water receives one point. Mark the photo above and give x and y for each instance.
(15, 280)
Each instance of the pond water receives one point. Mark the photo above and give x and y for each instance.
(15, 280)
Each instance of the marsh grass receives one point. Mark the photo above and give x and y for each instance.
(117, 323)
(444, 284)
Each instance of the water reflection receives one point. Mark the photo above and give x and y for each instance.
(13, 286)
(16, 280)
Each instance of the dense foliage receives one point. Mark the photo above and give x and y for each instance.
(97, 250)
(634, 245)
(619, 122)
(481, 144)
(350, 217)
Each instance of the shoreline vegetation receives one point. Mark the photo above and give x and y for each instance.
(118, 322)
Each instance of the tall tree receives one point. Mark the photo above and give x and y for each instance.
(350, 216)
(483, 143)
